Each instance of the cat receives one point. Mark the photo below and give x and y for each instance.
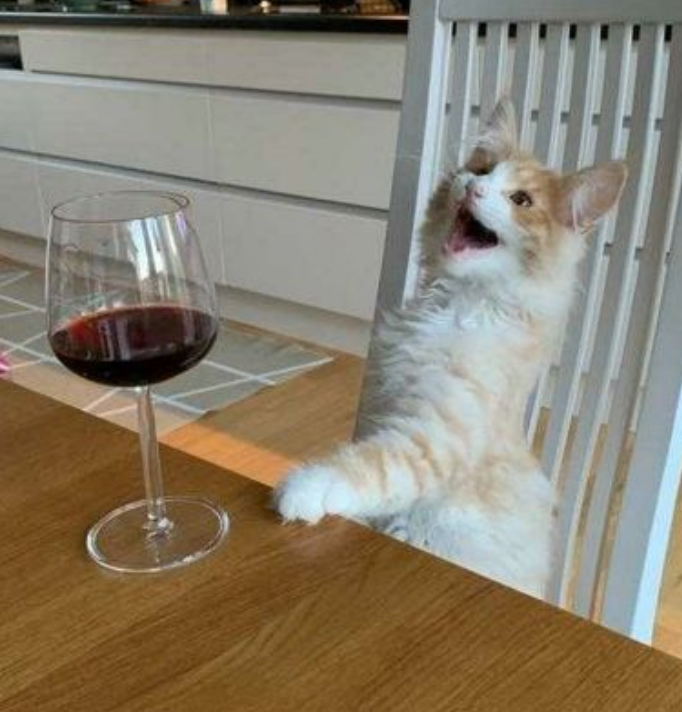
(445, 465)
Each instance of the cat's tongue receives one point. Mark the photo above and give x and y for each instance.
(469, 234)
(458, 240)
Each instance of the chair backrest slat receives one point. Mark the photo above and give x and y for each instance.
(553, 93)
(526, 65)
(461, 92)
(582, 102)
(494, 66)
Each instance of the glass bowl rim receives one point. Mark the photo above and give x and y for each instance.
(178, 203)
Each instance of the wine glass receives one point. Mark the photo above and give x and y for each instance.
(129, 305)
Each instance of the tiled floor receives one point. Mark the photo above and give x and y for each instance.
(240, 364)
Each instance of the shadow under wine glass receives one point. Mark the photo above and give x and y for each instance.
(130, 304)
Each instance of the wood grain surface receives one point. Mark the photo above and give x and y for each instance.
(332, 617)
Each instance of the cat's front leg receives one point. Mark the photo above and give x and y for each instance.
(372, 478)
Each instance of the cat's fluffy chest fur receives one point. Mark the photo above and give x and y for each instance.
(455, 339)
(454, 370)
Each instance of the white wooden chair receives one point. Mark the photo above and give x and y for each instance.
(590, 81)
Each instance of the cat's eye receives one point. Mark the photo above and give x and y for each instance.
(521, 198)
(482, 170)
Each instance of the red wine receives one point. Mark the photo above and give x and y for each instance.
(135, 346)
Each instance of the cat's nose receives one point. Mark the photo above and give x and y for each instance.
(475, 189)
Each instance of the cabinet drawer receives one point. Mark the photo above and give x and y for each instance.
(60, 182)
(321, 258)
(331, 152)
(157, 55)
(20, 203)
(330, 64)
(160, 129)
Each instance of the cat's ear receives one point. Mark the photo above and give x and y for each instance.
(498, 138)
(586, 196)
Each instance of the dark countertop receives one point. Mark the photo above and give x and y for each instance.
(190, 16)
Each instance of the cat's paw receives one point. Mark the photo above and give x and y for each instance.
(311, 492)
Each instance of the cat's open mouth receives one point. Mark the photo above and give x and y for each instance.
(470, 234)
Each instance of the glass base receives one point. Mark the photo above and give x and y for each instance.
(123, 541)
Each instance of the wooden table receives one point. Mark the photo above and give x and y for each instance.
(299, 618)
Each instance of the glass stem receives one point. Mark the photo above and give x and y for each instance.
(158, 523)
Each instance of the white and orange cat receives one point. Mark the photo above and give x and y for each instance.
(446, 466)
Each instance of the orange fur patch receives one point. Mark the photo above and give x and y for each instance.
(541, 222)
